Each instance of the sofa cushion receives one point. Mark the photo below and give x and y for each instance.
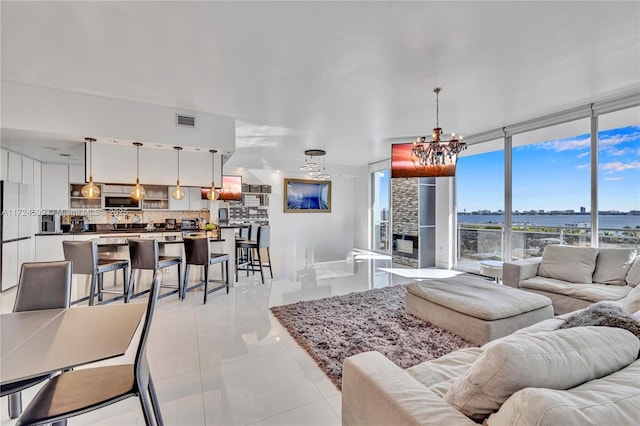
(612, 265)
(573, 264)
(603, 315)
(588, 292)
(633, 275)
(558, 359)
(611, 400)
(631, 303)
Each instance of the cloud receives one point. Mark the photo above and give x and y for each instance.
(567, 144)
(618, 166)
(614, 178)
(582, 155)
(583, 166)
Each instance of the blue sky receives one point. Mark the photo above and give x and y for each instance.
(555, 175)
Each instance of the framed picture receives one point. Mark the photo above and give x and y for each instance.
(307, 196)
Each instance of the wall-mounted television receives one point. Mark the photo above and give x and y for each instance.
(231, 189)
(405, 164)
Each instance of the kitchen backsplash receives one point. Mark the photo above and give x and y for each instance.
(145, 215)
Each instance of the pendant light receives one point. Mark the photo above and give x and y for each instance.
(137, 193)
(90, 190)
(178, 193)
(212, 194)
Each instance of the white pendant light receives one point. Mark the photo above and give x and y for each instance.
(178, 193)
(90, 190)
(212, 194)
(137, 193)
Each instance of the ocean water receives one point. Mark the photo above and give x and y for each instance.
(605, 221)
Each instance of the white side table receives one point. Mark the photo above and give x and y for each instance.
(491, 268)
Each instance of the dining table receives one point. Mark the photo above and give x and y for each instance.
(35, 343)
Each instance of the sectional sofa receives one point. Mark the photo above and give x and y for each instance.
(575, 277)
(539, 375)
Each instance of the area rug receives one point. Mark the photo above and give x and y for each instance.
(337, 327)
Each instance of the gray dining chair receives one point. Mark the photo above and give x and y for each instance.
(42, 285)
(85, 261)
(77, 392)
(255, 262)
(197, 251)
(145, 255)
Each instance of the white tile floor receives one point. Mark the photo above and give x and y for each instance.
(230, 362)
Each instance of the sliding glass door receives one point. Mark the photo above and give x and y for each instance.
(380, 238)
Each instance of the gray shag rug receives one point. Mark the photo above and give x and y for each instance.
(337, 327)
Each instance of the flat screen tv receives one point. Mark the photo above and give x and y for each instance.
(231, 189)
(405, 164)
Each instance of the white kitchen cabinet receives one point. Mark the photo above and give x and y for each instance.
(25, 220)
(76, 174)
(179, 204)
(9, 264)
(11, 220)
(113, 163)
(27, 171)
(37, 185)
(25, 252)
(4, 164)
(14, 173)
(55, 187)
(195, 200)
(49, 247)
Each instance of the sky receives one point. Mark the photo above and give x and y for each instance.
(555, 175)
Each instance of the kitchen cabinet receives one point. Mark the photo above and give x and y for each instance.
(55, 187)
(25, 220)
(195, 199)
(156, 198)
(27, 171)
(14, 172)
(4, 164)
(77, 174)
(77, 201)
(179, 204)
(49, 247)
(9, 264)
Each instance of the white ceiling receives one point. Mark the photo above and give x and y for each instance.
(340, 76)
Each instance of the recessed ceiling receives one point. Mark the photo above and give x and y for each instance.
(340, 76)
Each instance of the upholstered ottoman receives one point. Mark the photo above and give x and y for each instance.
(475, 309)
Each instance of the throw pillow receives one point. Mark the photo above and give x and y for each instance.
(633, 275)
(612, 265)
(558, 359)
(604, 315)
(632, 301)
(572, 264)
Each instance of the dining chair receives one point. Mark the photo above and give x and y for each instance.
(42, 285)
(244, 254)
(85, 260)
(77, 392)
(197, 251)
(256, 263)
(144, 254)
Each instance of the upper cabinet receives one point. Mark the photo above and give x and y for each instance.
(27, 171)
(14, 172)
(4, 164)
(76, 174)
(117, 164)
(55, 186)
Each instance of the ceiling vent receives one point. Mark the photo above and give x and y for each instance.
(185, 120)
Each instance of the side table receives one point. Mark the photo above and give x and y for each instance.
(491, 268)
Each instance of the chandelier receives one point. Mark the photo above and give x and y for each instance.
(437, 152)
(312, 167)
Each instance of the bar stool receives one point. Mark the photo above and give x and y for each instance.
(85, 260)
(262, 242)
(198, 252)
(243, 254)
(145, 255)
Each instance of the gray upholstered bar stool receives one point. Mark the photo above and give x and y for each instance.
(243, 254)
(85, 260)
(253, 264)
(42, 285)
(198, 252)
(144, 254)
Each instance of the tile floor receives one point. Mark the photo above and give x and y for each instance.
(230, 362)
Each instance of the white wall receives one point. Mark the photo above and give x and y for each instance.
(35, 108)
(445, 223)
(303, 239)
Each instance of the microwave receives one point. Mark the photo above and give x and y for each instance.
(121, 201)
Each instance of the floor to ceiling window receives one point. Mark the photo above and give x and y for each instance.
(380, 211)
(480, 203)
(619, 179)
(551, 188)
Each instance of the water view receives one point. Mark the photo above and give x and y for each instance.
(617, 221)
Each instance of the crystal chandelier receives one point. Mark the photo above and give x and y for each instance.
(437, 151)
(312, 167)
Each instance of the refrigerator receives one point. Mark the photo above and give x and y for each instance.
(16, 221)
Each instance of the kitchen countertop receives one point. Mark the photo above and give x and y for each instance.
(134, 231)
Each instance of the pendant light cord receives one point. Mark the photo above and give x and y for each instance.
(90, 159)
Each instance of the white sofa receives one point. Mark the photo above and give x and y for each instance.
(575, 277)
(539, 375)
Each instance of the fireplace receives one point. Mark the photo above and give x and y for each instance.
(405, 245)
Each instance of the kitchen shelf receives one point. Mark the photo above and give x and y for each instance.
(79, 202)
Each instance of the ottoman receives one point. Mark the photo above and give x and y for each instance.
(475, 309)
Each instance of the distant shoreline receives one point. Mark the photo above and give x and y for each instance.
(612, 221)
